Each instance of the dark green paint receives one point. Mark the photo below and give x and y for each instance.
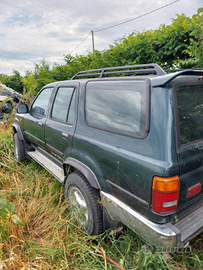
(127, 162)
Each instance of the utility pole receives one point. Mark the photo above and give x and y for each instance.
(92, 40)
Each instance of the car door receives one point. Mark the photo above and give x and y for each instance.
(34, 121)
(60, 126)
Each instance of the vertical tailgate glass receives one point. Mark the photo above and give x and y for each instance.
(190, 107)
(190, 140)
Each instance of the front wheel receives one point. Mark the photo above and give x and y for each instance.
(83, 201)
(19, 149)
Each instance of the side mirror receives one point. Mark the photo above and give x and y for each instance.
(22, 108)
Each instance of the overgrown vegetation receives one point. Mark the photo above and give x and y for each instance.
(14, 81)
(39, 233)
(179, 45)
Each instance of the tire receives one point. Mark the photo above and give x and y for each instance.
(83, 203)
(19, 150)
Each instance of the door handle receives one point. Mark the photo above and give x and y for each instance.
(65, 135)
(40, 124)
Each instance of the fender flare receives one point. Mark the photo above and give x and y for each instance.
(17, 129)
(86, 171)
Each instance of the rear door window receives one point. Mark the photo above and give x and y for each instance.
(64, 105)
(190, 110)
(117, 106)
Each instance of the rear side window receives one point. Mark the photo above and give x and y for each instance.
(117, 106)
(190, 109)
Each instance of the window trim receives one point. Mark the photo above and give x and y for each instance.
(176, 113)
(148, 107)
(74, 92)
(54, 98)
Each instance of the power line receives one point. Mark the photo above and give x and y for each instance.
(41, 18)
(20, 9)
(47, 5)
(77, 46)
(145, 14)
(40, 5)
(81, 42)
(137, 17)
(123, 22)
(52, 8)
(57, 10)
(126, 21)
(109, 35)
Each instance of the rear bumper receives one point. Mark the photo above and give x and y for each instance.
(159, 235)
(191, 225)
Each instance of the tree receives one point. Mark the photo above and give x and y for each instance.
(42, 74)
(196, 46)
(13, 81)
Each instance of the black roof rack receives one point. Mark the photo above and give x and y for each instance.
(127, 70)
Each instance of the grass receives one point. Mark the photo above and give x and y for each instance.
(49, 239)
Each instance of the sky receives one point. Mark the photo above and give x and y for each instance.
(32, 30)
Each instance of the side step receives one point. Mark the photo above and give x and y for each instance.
(47, 164)
(191, 225)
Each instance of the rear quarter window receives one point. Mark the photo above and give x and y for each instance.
(118, 106)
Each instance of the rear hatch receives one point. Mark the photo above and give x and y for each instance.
(188, 96)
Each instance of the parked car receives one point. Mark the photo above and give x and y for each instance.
(127, 143)
(8, 98)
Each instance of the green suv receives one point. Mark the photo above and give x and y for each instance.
(127, 143)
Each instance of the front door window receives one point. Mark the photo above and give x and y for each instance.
(40, 105)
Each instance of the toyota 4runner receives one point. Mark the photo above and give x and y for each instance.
(127, 143)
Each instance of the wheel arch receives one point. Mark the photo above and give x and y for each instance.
(85, 170)
(17, 129)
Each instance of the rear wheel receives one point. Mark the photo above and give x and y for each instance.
(83, 201)
(19, 149)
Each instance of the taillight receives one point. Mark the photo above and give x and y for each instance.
(165, 194)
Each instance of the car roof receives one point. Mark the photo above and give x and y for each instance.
(156, 80)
